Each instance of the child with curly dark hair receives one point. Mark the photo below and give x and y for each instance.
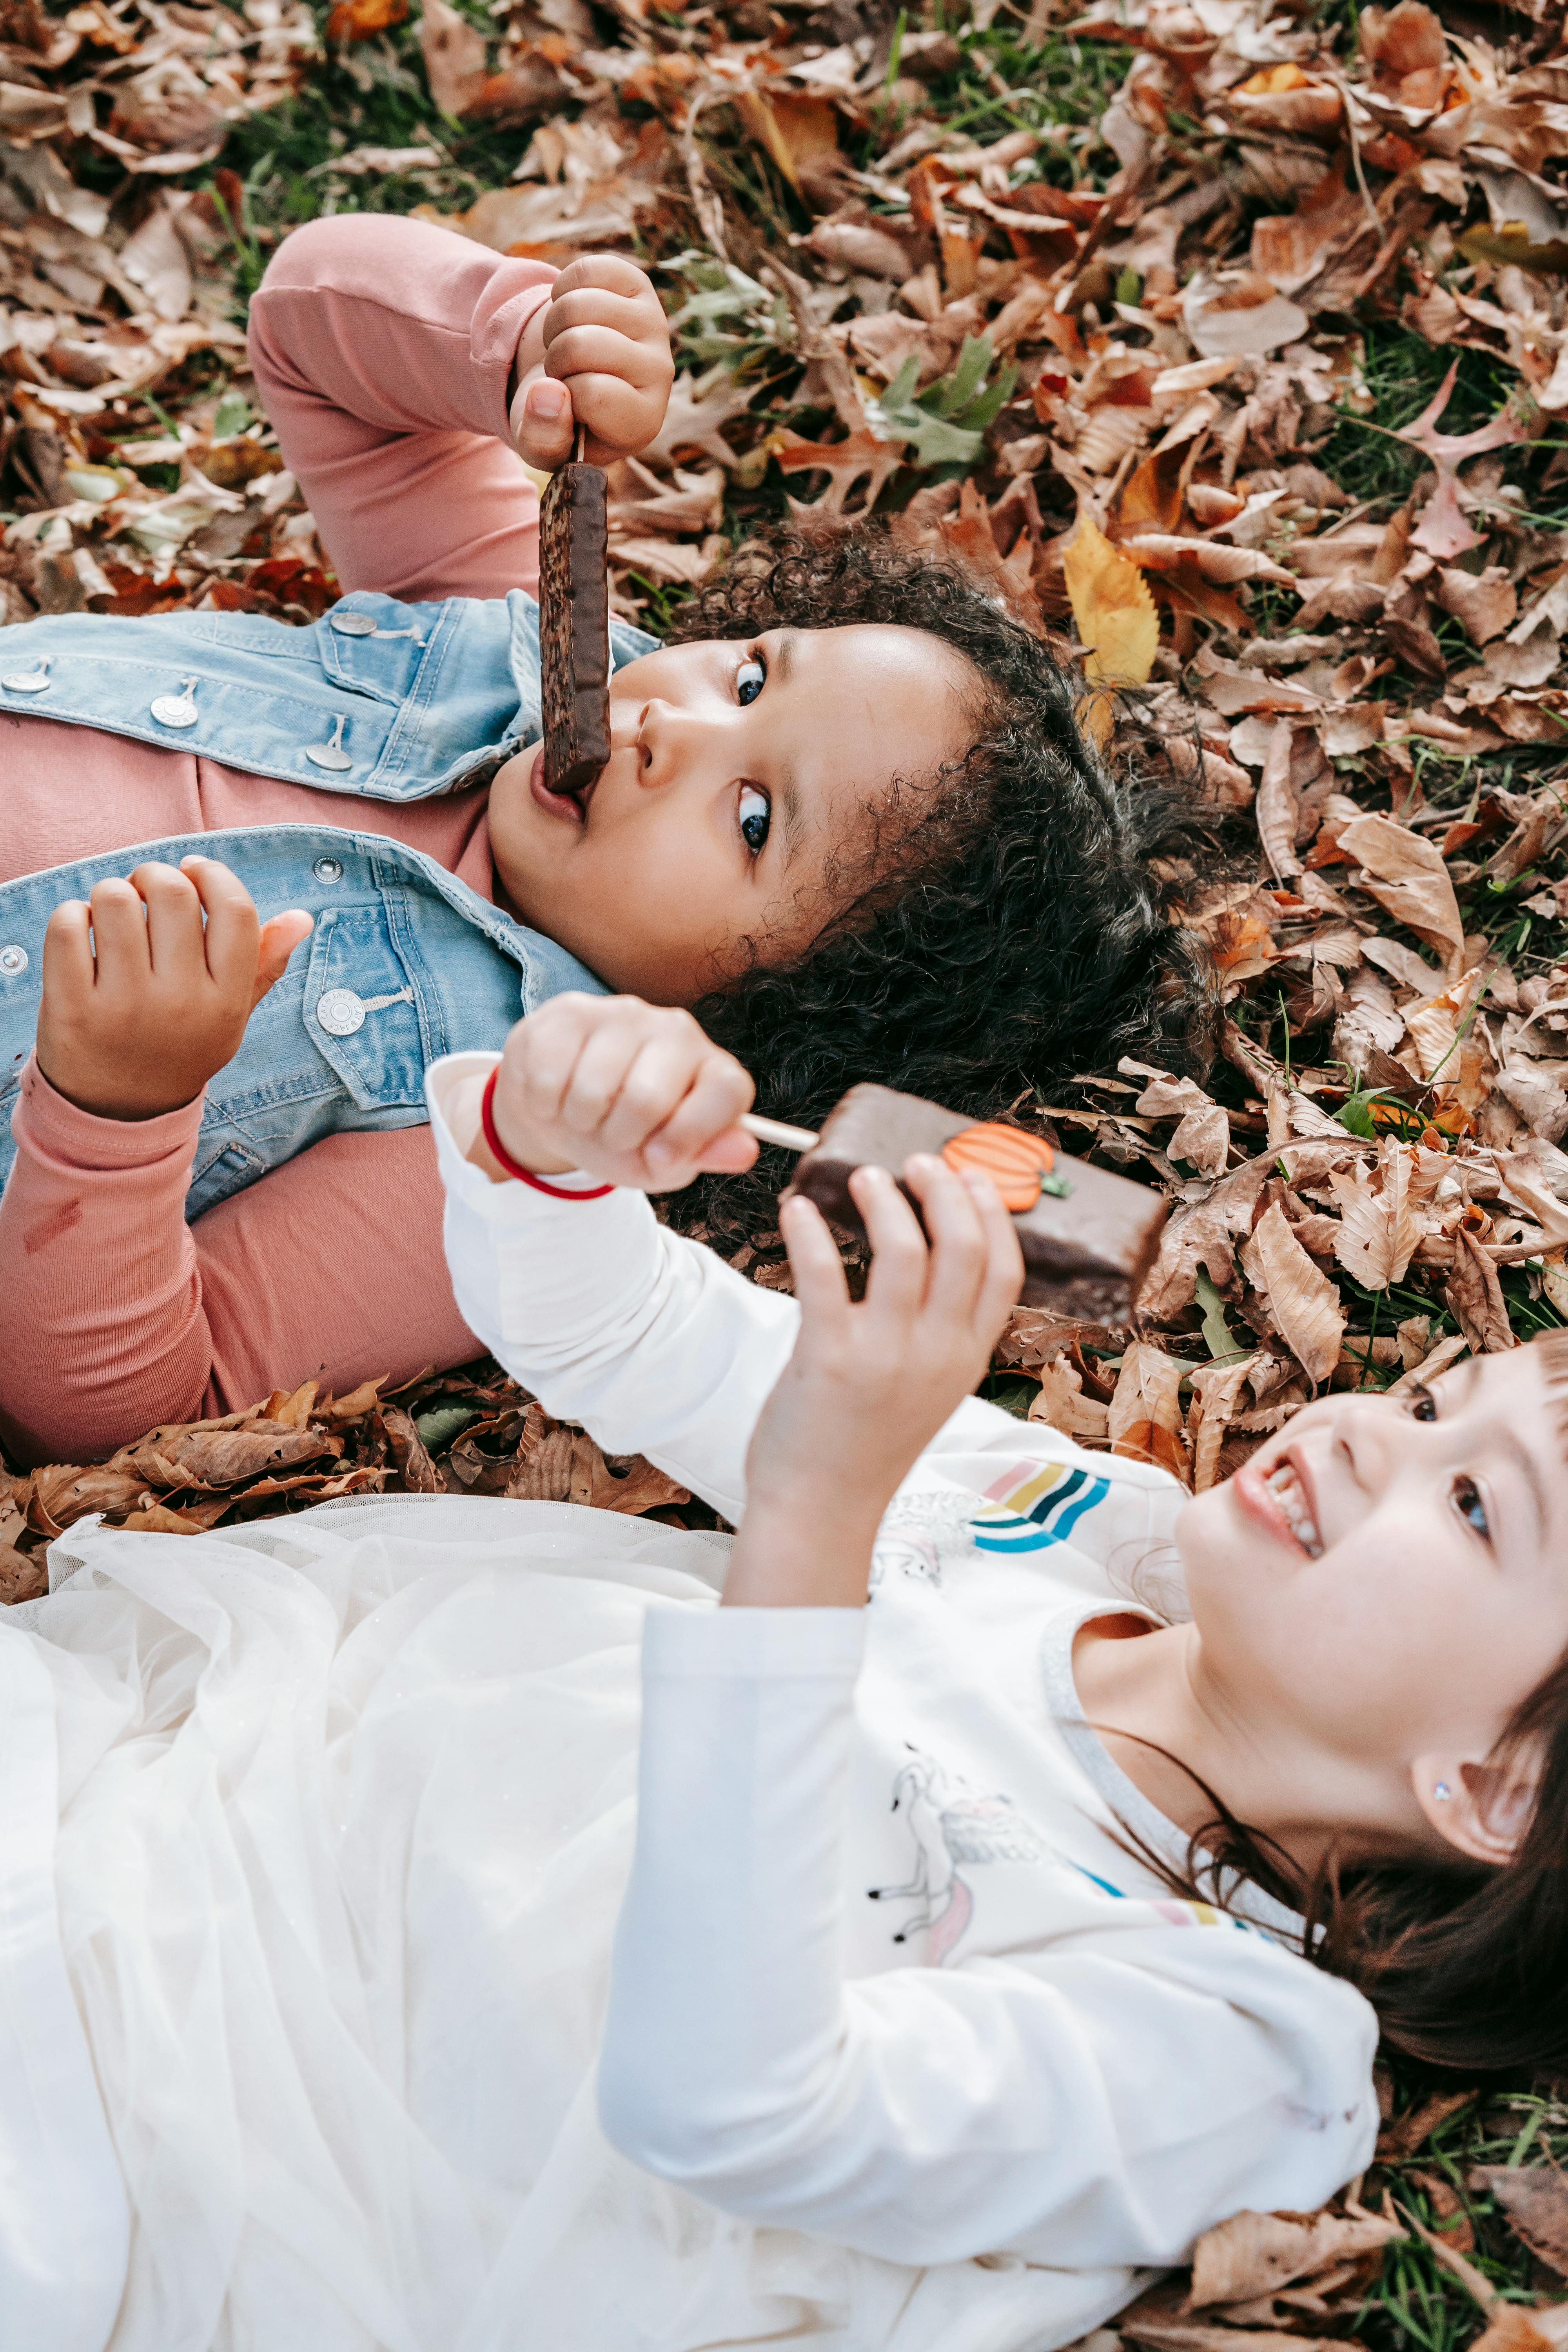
(847, 815)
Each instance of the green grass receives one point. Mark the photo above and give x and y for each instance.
(1417, 2305)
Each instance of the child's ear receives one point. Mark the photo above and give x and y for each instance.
(1479, 1808)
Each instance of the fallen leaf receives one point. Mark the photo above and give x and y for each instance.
(1255, 2254)
(1304, 1302)
(1144, 1421)
(1117, 623)
(1473, 1295)
(1486, 602)
(1378, 1230)
(1062, 1404)
(1536, 2202)
(453, 49)
(1406, 875)
(1217, 1390)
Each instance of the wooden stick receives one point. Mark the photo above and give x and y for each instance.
(773, 1130)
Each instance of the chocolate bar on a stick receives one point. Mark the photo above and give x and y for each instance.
(575, 625)
(1089, 1237)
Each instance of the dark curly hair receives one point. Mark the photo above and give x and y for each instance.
(993, 934)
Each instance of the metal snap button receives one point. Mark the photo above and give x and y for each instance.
(29, 681)
(328, 869)
(177, 710)
(340, 1011)
(13, 960)
(330, 755)
(352, 625)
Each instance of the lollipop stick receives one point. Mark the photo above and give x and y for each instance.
(773, 1130)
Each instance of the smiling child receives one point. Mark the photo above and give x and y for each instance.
(906, 1925)
(256, 878)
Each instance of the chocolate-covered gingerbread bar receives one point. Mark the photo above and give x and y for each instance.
(1089, 1237)
(574, 626)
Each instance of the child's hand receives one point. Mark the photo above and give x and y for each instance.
(143, 1002)
(597, 356)
(631, 1093)
(869, 1387)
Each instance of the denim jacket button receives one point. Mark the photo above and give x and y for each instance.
(13, 960)
(176, 709)
(352, 625)
(328, 869)
(340, 1011)
(29, 681)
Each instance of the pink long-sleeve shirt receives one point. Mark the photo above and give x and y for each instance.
(383, 350)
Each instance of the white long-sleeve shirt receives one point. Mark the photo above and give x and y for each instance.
(886, 1970)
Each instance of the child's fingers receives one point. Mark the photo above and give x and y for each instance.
(546, 428)
(599, 1075)
(233, 932)
(69, 972)
(119, 934)
(958, 1239)
(820, 1285)
(591, 306)
(610, 271)
(896, 1284)
(174, 943)
(280, 935)
(602, 351)
(541, 1052)
(1003, 1278)
(702, 1131)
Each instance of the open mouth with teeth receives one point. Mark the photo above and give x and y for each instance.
(1289, 1493)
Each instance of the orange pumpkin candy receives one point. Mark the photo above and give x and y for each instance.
(1013, 1161)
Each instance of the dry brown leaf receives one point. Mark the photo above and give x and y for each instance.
(1305, 1304)
(1144, 1421)
(419, 1473)
(454, 53)
(1217, 1390)
(23, 1575)
(1192, 2336)
(1255, 2254)
(1379, 1229)
(1536, 2202)
(1474, 1297)
(62, 1494)
(1062, 1404)
(1117, 623)
(1485, 601)
(625, 1483)
(1202, 1134)
(1278, 808)
(1406, 873)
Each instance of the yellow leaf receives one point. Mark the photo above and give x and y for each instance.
(1115, 613)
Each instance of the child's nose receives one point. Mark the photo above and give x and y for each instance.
(670, 740)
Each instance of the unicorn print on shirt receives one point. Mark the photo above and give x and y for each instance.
(948, 1826)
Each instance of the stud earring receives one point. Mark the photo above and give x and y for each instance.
(1441, 1792)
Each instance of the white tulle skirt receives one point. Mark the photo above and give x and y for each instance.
(345, 1807)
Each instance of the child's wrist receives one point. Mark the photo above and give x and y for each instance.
(792, 1552)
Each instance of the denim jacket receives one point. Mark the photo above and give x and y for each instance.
(405, 964)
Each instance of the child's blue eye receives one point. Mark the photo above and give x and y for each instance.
(1470, 1507)
(750, 680)
(754, 815)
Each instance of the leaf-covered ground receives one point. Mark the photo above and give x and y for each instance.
(1229, 343)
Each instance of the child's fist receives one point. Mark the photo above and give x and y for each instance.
(598, 355)
(631, 1093)
(143, 1000)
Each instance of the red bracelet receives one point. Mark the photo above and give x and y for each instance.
(524, 1175)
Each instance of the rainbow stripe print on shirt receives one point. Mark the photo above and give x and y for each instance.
(1033, 1504)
